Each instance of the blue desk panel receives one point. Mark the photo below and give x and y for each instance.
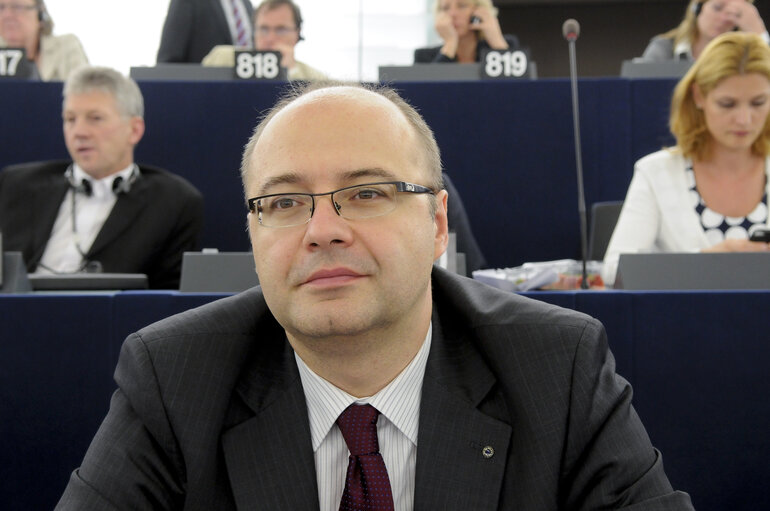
(698, 362)
(55, 385)
(702, 380)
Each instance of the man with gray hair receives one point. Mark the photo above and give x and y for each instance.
(358, 375)
(100, 211)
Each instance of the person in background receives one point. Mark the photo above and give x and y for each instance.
(358, 375)
(27, 24)
(277, 27)
(100, 211)
(468, 29)
(710, 191)
(193, 27)
(703, 21)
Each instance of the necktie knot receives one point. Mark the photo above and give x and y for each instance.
(358, 424)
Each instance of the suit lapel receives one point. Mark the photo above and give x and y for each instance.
(269, 457)
(461, 451)
(123, 215)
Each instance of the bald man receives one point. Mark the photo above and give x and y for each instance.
(360, 376)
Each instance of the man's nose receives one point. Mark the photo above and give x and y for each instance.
(326, 226)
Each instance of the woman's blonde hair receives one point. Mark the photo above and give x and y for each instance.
(687, 30)
(730, 54)
(482, 3)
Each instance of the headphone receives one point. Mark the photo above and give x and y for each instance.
(44, 18)
(697, 7)
(119, 185)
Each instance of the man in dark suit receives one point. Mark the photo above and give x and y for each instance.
(100, 212)
(193, 27)
(358, 376)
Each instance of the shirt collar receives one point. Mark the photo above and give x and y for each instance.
(398, 401)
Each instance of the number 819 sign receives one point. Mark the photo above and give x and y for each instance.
(505, 64)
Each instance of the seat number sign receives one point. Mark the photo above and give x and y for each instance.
(12, 62)
(259, 65)
(505, 64)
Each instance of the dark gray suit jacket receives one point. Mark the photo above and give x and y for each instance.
(193, 27)
(210, 414)
(147, 230)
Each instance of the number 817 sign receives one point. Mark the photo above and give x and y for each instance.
(505, 64)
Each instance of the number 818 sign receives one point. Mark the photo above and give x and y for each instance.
(259, 65)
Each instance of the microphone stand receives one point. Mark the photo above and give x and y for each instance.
(579, 162)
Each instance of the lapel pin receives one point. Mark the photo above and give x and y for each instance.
(488, 452)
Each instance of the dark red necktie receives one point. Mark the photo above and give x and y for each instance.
(367, 487)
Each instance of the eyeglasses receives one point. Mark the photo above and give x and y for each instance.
(352, 202)
(17, 8)
(264, 30)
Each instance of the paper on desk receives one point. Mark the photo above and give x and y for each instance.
(535, 275)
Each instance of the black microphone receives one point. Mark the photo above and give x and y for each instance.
(571, 30)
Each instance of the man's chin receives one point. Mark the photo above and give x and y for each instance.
(334, 319)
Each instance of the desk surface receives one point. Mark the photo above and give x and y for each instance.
(697, 360)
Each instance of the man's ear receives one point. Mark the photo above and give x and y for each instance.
(137, 129)
(442, 226)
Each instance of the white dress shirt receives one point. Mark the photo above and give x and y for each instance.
(79, 220)
(397, 425)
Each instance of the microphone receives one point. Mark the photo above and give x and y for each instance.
(571, 30)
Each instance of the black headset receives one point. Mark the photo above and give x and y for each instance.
(42, 13)
(697, 8)
(119, 185)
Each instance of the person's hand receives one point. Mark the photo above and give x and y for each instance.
(736, 245)
(444, 28)
(287, 55)
(447, 32)
(490, 27)
(745, 16)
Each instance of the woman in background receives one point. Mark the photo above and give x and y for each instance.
(468, 29)
(702, 22)
(709, 192)
(27, 24)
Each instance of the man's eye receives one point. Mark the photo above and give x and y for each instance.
(284, 203)
(368, 194)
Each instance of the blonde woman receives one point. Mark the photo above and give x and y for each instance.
(710, 191)
(702, 22)
(468, 29)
